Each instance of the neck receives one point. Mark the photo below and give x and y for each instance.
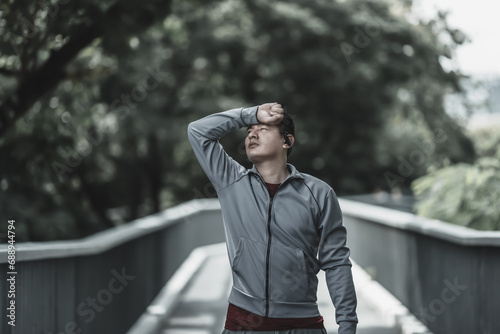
(273, 171)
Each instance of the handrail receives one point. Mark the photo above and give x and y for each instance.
(110, 238)
(431, 227)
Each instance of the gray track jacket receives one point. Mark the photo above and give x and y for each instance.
(276, 246)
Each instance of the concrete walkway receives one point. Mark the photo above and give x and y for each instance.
(195, 301)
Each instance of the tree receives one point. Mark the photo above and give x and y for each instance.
(111, 138)
(66, 49)
(471, 202)
(465, 194)
(350, 72)
(41, 38)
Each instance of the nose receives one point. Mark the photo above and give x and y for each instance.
(252, 134)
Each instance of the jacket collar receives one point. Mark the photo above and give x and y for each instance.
(294, 173)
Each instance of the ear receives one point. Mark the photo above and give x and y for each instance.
(292, 140)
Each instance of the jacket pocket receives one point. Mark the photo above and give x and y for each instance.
(249, 267)
(289, 281)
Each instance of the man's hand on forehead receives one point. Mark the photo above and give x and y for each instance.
(270, 113)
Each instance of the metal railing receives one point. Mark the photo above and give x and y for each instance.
(446, 275)
(103, 283)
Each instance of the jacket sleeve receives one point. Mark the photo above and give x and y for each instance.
(204, 135)
(334, 260)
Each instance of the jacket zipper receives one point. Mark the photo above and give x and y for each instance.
(268, 255)
(268, 252)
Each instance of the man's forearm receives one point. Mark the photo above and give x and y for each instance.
(347, 327)
(343, 295)
(204, 134)
(215, 126)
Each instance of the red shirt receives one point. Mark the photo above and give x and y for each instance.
(240, 319)
(272, 187)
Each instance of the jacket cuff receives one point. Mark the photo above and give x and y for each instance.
(347, 327)
(249, 115)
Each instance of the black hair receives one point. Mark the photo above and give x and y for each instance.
(287, 127)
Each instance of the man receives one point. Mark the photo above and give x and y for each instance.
(281, 227)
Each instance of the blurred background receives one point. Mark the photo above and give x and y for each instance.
(396, 103)
(95, 98)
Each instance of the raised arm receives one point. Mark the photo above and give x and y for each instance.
(334, 259)
(204, 135)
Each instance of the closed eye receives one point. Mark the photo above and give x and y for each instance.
(263, 128)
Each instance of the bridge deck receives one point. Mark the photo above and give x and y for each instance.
(202, 305)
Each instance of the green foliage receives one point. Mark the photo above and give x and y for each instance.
(94, 106)
(462, 194)
(465, 194)
(487, 141)
(298, 54)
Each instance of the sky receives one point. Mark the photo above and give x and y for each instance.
(480, 20)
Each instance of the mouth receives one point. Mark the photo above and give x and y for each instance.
(252, 145)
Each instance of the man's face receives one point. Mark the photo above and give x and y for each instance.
(263, 142)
